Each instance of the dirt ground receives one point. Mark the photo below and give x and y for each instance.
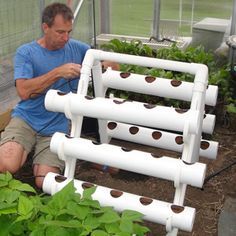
(208, 201)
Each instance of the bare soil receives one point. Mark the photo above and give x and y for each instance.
(208, 201)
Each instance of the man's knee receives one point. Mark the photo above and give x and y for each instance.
(12, 157)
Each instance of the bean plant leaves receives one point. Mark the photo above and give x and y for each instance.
(131, 215)
(8, 195)
(88, 192)
(140, 230)
(65, 224)
(99, 233)
(18, 185)
(64, 213)
(6, 176)
(109, 217)
(57, 231)
(77, 210)
(126, 226)
(61, 198)
(5, 225)
(8, 208)
(112, 228)
(92, 222)
(25, 207)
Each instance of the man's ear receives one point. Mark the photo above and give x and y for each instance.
(45, 27)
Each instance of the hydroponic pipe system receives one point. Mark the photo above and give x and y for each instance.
(136, 121)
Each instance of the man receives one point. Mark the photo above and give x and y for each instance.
(52, 62)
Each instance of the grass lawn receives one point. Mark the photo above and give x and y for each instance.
(134, 17)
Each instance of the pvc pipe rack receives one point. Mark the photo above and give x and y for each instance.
(154, 125)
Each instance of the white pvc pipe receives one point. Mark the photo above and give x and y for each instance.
(155, 86)
(141, 162)
(157, 138)
(94, 54)
(153, 210)
(127, 112)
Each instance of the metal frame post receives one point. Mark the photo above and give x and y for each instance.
(156, 19)
(105, 16)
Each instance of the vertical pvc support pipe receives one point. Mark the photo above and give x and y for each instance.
(100, 91)
(192, 141)
(77, 121)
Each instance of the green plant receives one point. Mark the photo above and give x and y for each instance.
(218, 74)
(24, 212)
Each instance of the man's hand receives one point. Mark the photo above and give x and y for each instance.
(113, 65)
(69, 70)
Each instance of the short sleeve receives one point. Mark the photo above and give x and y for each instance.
(23, 67)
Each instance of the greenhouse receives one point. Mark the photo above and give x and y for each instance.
(118, 117)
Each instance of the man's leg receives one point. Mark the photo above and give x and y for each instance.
(45, 161)
(40, 171)
(17, 140)
(12, 157)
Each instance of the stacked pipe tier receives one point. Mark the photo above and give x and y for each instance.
(126, 111)
(140, 162)
(160, 212)
(157, 138)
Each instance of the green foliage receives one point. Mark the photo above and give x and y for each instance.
(24, 212)
(218, 74)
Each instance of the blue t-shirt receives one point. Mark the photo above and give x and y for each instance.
(32, 60)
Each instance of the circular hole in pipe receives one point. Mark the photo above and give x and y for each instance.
(60, 178)
(181, 111)
(96, 143)
(155, 155)
(145, 201)
(89, 97)
(133, 130)
(150, 79)
(156, 135)
(103, 69)
(149, 106)
(175, 83)
(179, 140)
(116, 193)
(204, 145)
(187, 163)
(124, 75)
(87, 185)
(118, 101)
(112, 125)
(60, 93)
(177, 209)
(126, 149)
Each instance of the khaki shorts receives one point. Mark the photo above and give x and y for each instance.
(19, 131)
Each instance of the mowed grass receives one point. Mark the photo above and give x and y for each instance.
(134, 17)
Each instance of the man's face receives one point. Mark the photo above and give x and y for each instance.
(58, 34)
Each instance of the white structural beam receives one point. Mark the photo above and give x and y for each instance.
(140, 162)
(151, 85)
(157, 138)
(153, 210)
